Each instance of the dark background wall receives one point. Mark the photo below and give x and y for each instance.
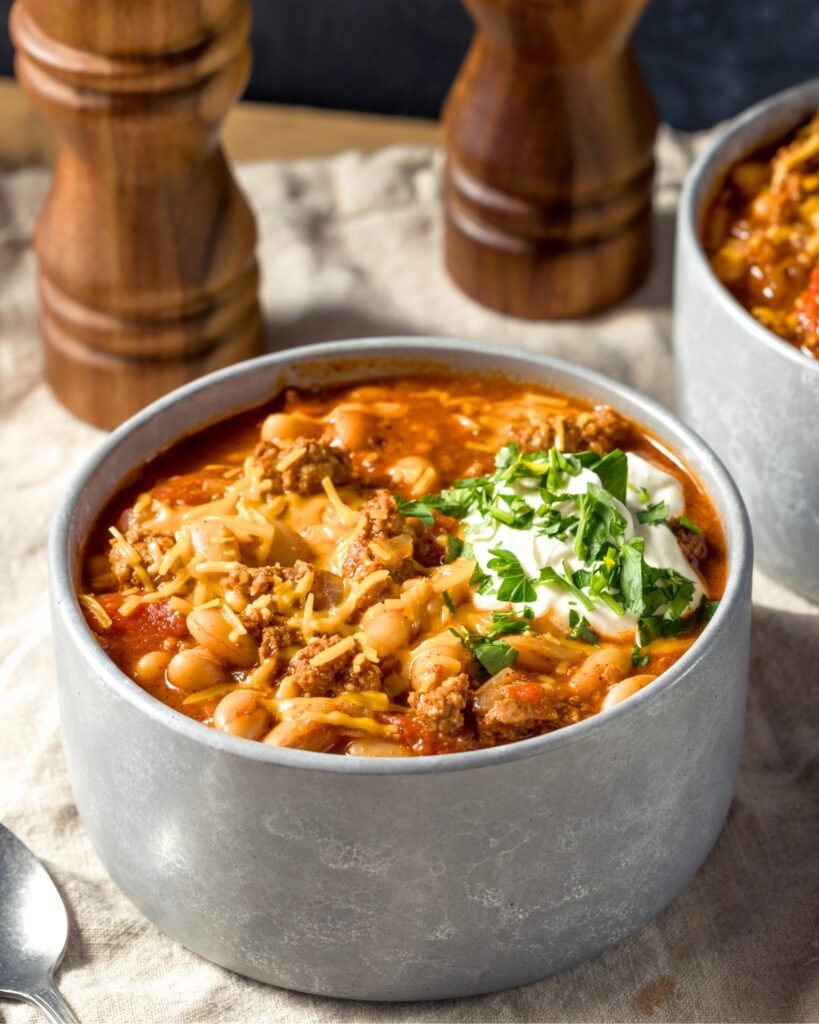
(705, 59)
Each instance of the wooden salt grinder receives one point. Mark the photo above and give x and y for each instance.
(147, 270)
(550, 131)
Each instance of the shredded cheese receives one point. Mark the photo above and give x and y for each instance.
(90, 602)
(345, 514)
(332, 653)
(289, 459)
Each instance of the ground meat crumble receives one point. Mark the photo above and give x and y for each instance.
(692, 544)
(516, 708)
(312, 462)
(350, 672)
(276, 639)
(600, 430)
(382, 522)
(443, 706)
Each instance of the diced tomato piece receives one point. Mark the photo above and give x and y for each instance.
(525, 693)
(145, 628)
(191, 489)
(807, 311)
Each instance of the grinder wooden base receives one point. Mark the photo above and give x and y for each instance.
(146, 247)
(549, 173)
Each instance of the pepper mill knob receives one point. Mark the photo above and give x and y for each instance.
(146, 247)
(550, 131)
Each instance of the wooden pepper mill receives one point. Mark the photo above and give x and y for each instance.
(146, 247)
(550, 131)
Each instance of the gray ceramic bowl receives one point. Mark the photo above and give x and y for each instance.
(406, 879)
(751, 395)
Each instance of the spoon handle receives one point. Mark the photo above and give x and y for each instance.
(53, 1005)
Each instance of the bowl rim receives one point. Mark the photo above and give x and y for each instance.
(712, 163)
(736, 525)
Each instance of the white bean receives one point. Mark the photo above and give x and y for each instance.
(540, 653)
(415, 472)
(301, 734)
(213, 541)
(372, 746)
(211, 630)
(601, 669)
(386, 629)
(151, 666)
(240, 714)
(195, 668)
(437, 659)
(282, 426)
(352, 427)
(626, 688)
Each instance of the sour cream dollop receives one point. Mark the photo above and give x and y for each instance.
(535, 551)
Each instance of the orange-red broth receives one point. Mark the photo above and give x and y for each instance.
(457, 423)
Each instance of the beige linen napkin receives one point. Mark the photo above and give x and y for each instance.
(351, 246)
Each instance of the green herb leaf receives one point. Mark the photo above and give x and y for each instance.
(550, 575)
(638, 658)
(515, 585)
(613, 472)
(581, 630)
(631, 574)
(656, 513)
(518, 513)
(495, 655)
(482, 581)
(489, 649)
(456, 501)
(507, 623)
(417, 509)
(689, 525)
(449, 602)
(454, 547)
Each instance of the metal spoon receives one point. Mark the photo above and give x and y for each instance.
(33, 930)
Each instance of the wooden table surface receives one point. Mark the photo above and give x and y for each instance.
(253, 131)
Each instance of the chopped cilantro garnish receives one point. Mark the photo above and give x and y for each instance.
(613, 603)
(631, 574)
(707, 609)
(479, 579)
(518, 513)
(490, 650)
(689, 525)
(613, 472)
(680, 601)
(534, 491)
(495, 655)
(455, 502)
(579, 629)
(417, 509)
(515, 585)
(506, 623)
(550, 575)
(600, 523)
(656, 513)
(449, 602)
(638, 658)
(553, 524)
(454, 547)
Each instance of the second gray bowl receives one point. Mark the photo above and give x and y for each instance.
(751, 395)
